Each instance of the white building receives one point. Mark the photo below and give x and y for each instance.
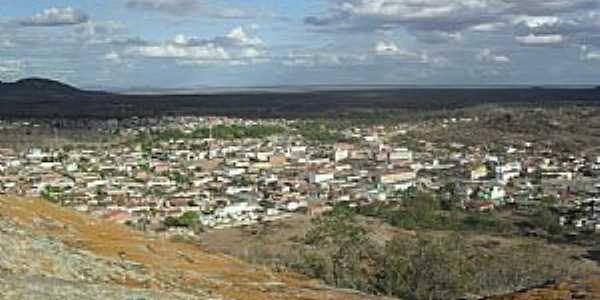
(401, 154)
(340, 154)
(232, 172)
(508, 171)
(320, 177)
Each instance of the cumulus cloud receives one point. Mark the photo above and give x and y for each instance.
(440, 15)
(532, 22)
(390, 49)
(240, 36)
(577, 29)
(488, 56)
(549, 7)
(207, 52)
(447, 15)
(237, 47)
(56, 17)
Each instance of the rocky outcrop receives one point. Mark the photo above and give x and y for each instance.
(576, 288)
(47, 252)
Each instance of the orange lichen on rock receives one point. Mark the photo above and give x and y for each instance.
(172, 264)
(565, 290)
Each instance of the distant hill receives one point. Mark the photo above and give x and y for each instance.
(46, 85)
(40, 87)
(43, 98)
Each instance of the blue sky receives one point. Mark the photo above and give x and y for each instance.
(122, 44)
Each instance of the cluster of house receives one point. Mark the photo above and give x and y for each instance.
(246, 180)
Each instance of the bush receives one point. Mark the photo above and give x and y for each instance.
(419, 211)
(339, 251)
(482, 222)
(426, 268)
(347, 249)
(319, 133)
(189, 219)
(547, 221)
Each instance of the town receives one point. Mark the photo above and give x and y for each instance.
(287, 150)
(185, 174)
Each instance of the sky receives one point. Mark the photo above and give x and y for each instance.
(132, 44)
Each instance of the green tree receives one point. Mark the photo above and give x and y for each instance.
(426, 268)
(547, 220)
(347, 246)
(189, 219)
(419, 210)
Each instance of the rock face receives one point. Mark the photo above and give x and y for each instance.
(47, 252)
(584, 289)
(33, 267)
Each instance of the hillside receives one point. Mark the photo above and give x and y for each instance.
(31, 98)
(47, 252)
(31, 87)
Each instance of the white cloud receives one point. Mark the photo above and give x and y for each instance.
(548, 39)
(190, 7)
(390, 50)
(487, 56)
(442, 14)
(549, 7)
(200, 53)
(243, 38)
(386, 48)
(407, 10)
(488, 27)
(112, 57)
(9, 69)
(434, 61)
(252, 52)
(531, 22)
(536, 21)
(322, 57)
(592, 55)
(435, 15)
(236, 48)
(166, 6)
(588, 54)
(56, 17)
